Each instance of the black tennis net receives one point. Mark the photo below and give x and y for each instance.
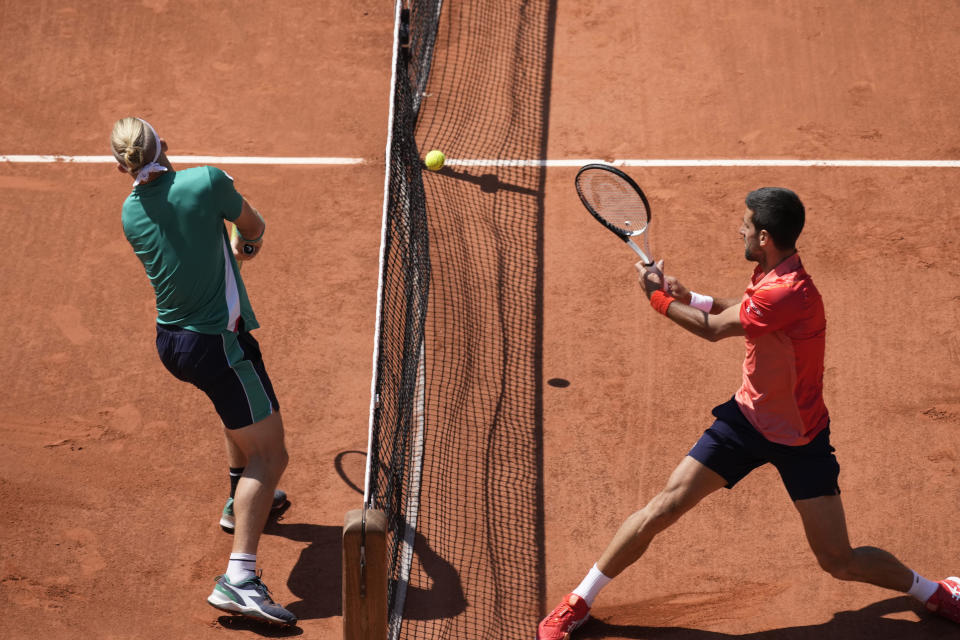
(455, 455)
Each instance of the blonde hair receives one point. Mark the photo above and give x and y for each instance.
(134, 143)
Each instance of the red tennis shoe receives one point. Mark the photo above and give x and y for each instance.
(569, 614)
(946, 599)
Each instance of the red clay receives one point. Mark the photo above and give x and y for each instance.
(112, 473)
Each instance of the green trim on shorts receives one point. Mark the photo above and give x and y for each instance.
(257, 399)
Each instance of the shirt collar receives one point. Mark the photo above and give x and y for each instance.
(156, 182)
(789, 265)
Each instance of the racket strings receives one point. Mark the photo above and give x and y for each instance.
(612, 199)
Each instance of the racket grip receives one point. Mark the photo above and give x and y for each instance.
(647, 262)
(248, 249)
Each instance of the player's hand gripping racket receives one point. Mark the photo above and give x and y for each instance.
(613, 198)
(248, 249)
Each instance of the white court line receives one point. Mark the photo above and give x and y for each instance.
(719, 162)
(478, 162)
(191, 160)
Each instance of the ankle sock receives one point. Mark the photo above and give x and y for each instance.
(241, 567)
(922, 589)
(591, 585)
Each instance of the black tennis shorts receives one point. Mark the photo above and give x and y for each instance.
(228, 367)
(733, 448)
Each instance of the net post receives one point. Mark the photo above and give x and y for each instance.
(365, 575)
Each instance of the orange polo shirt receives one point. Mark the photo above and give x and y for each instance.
(782, 391)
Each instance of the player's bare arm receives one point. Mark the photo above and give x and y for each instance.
(712, 327)
(723, 320)
(251, 226)
(682, 294)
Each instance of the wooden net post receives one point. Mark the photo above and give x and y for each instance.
(365, 575)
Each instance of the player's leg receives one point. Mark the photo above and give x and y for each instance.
(229, 368)
(824, 523)
(689, 483)
(241, 391)
(235, 457)
(810, 473)
(262, 447)
(240, 590)
(237, 462)
(723, 455)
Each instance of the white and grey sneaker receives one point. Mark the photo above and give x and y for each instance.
(251, 599)
(228, 520)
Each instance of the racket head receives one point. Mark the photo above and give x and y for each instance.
(614, 199)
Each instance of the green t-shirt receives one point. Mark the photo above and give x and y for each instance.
(175, 225)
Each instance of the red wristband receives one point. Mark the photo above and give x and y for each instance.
(661, 301)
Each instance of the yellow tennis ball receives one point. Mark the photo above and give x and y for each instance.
(434, 160)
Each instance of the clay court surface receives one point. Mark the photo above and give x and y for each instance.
(112, 473)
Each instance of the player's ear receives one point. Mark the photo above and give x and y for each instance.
(121, 168)
(763, 236)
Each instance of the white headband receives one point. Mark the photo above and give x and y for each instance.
(152, 166)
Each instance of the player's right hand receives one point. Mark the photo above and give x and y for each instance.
(651, 277)
(238, 245)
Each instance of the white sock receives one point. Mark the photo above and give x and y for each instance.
(922, 588)
(241, 567)
(591, 585)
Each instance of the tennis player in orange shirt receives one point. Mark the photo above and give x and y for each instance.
(778, 416)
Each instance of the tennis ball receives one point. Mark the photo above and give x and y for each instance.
(434, 160)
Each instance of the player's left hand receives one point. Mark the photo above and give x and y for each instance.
(676, 289)
(651, 277)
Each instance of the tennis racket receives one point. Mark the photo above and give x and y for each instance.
(618, 203)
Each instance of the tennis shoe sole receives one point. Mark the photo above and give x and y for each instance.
(249, 599)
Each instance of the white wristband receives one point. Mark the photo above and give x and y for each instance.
(704, 303)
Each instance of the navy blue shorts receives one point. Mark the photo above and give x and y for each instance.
(732, 447)
(228, 367)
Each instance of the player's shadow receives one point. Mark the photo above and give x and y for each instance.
(868, 623)
(317, 580)
(316, 577)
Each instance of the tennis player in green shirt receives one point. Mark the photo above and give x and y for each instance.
(174, 220)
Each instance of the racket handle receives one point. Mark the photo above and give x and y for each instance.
(647, 262)
(248, 249)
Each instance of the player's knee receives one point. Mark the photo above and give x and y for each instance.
(836, 562)
(276, 457)
(271, 456)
